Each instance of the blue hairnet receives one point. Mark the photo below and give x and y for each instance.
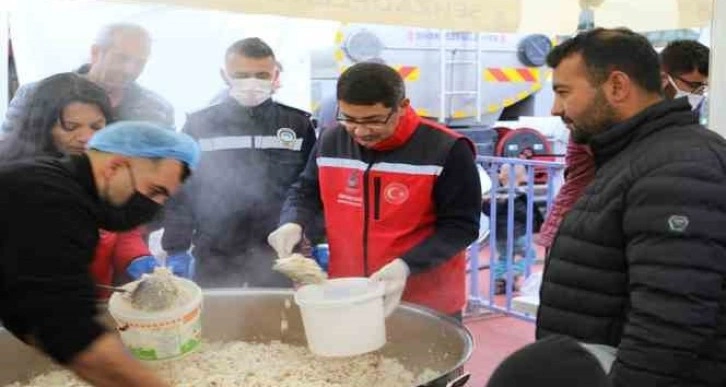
(148, 140)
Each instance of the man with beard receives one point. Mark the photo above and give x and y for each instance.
(639, 262)
(684, 73)
(118, 57)
(52, 209)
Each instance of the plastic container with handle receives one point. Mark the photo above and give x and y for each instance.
(343, 317)
(162, 335)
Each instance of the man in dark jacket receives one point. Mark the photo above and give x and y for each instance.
(684, 70)
(254, 149)
(52, 210)
(639, 261)
(118, 57)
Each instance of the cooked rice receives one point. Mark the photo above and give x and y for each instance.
(275, 364)
(300, 269)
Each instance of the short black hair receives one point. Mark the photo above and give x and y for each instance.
(186, 172)
(684, 56)
(251, 48)
(607, 50)
(371, 83)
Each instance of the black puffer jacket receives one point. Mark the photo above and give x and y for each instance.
(639, 262)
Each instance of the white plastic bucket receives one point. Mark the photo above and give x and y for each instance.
(343, 316)
(163, 335)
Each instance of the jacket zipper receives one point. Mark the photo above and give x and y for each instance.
(366, 216)
(377, 198)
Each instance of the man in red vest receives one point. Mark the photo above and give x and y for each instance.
(400, 195)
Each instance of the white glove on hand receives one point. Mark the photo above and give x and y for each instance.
(285, 238)
(394, 276)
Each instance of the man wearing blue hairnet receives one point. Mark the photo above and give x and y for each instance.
(52, 210)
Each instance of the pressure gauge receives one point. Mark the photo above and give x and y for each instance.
(533, 50)
(363, 46)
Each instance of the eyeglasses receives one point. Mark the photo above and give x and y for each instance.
(696, 87)
(369, 124)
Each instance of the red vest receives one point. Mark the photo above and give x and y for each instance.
(113, 254)
(379, 205)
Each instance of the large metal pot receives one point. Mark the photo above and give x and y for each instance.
(419, 338)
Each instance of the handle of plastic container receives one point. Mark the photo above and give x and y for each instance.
(459, 381)
(120, 327)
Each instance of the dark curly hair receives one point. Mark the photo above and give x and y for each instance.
(48, 100)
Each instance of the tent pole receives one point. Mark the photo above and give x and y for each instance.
(717, 77)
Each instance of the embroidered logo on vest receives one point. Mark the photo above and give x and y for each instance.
(396, 193)
(353, 180)
(351, 194)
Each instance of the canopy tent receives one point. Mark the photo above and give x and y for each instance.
(717, 76)
(543, 16)
(188, 49)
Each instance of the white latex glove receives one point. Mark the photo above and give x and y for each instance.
(285, 238)
(394, 276)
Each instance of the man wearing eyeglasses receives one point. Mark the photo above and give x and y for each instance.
(400, 195)
(684, 69)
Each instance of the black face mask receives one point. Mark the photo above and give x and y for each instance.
(137, 210)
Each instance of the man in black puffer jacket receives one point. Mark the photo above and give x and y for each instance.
(639, 262)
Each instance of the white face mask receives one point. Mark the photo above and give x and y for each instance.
(694, 99)
(250, 91)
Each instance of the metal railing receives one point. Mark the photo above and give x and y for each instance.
(479, 301)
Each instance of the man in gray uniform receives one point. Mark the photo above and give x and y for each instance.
(254, 149)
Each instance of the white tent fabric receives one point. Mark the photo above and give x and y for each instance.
(717, 76)
(188, 49)
(4, 81)
(539, 16)
(544, 16)
(189, 31)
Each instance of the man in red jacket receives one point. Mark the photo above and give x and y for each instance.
(400, 195)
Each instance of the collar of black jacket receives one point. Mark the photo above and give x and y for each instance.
(80, 167)
(662, 115)
(252, 111)
(85, 68)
